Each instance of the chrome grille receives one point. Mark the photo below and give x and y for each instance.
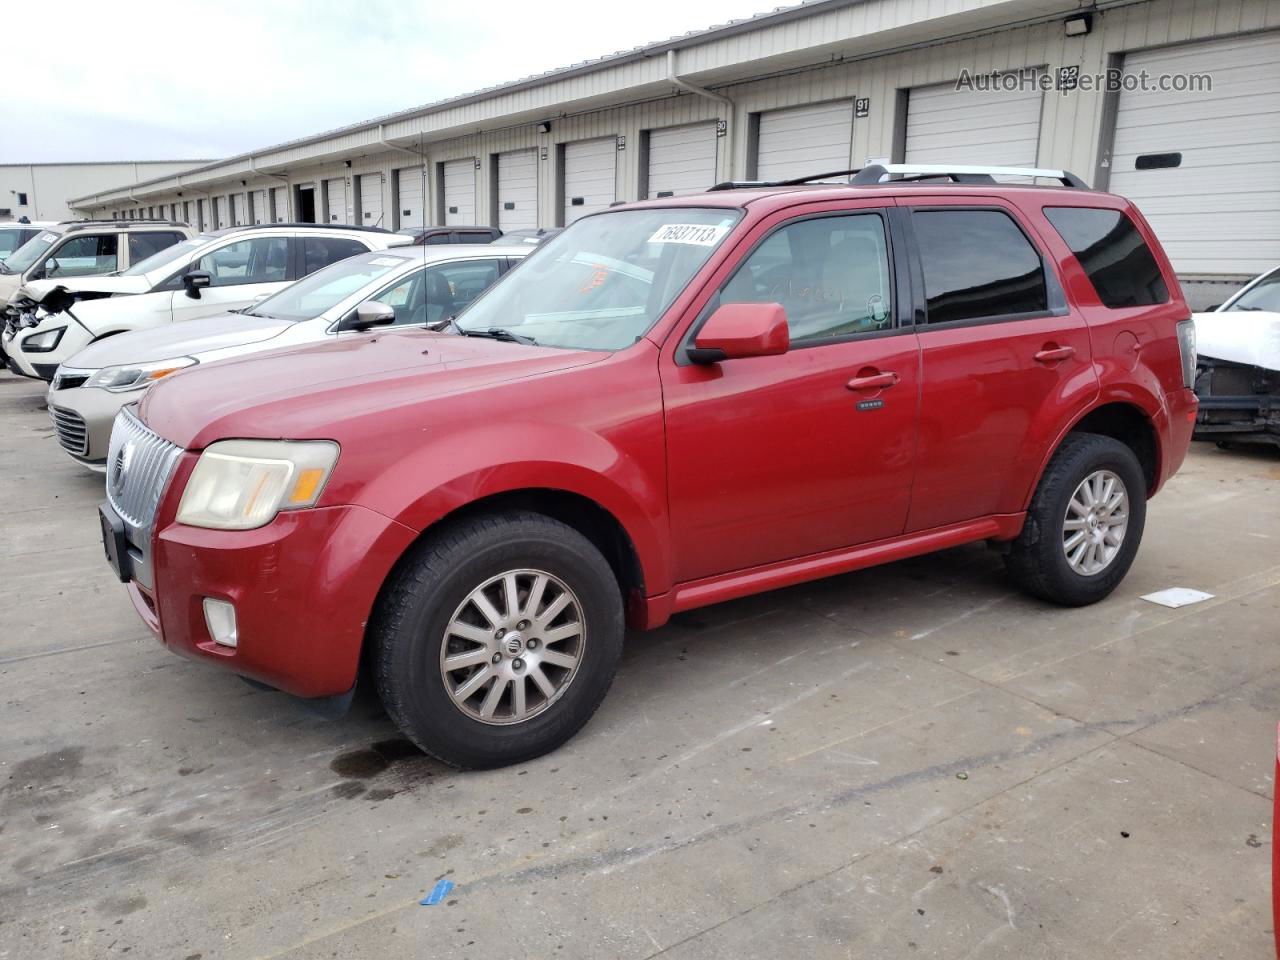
(139, 464)
(68, 379)
(72, 432)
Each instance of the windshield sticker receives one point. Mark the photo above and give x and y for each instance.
(697, 234)
(49, 237)
(386, 261)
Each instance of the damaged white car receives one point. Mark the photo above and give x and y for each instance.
(1238, 366)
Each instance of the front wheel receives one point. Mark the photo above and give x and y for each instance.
(1084, 524)
(497, 639)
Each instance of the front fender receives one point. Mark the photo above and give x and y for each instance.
(622, 476)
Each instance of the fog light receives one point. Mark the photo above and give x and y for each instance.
(220, 618)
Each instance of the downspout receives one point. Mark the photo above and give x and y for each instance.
(422, 163)
(704, 92)
(288, 188)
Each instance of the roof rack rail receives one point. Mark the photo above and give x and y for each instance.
(122, 222)
(915, 173)
(321, 226)
(962, 173)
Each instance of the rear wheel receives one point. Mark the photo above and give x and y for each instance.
(1084, 524)
(497, 639)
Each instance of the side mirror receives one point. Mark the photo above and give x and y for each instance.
(51, 266)
(195, 281)
(738, 330)
(371, 313)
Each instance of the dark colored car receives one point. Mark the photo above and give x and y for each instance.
(423, 236)
(672, 404)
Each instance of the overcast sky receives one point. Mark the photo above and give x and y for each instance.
(174, 79)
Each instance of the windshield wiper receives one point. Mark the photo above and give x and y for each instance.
(497, 333)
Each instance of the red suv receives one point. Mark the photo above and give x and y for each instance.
(673, 403)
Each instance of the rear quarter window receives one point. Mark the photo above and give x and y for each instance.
(1120, 265)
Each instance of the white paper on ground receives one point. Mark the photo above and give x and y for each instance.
(1177, 597)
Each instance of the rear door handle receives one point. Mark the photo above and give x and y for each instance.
(1054, 354)
(876, 381)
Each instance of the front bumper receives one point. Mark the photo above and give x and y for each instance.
(90, 414)
(1238, 402)
(303, 588)
(44, 364)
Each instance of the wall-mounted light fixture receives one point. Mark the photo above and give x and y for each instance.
(544, 126)
(1078, 26)
(347, 164)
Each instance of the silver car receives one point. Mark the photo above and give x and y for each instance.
(403, 286)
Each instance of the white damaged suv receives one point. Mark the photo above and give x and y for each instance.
(50, 320)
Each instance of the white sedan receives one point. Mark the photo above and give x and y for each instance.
(422, 286)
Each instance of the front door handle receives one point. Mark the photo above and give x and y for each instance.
(1054, 354)
(876, 381)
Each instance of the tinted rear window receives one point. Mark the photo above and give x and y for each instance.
(978, 264)
(1109, 247)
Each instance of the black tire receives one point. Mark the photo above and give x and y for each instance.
(1036, 560)
(409, 628)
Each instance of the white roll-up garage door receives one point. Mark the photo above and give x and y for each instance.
(220, 205)
(1001, 127)
(239, 217)
(801, 141)
(518, 190)
(409, 184)
(460, 192)
(259, 198)
(682, 160)
(371, 200)
(279, 205)
(336, 193)
(1210, 177)
(590, 176)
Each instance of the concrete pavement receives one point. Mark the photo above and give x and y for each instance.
(913, 761)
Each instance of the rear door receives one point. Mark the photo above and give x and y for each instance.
(1006, 364)
(774, 458)
(241, 271)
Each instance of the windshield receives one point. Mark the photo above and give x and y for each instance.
(31, 251)
(605, 281)
(166, 256)
(313, 295)
(1264, 295)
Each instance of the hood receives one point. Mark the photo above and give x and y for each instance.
(1240, 336)
(178, 340)
(101, 316)
(39, 289)
(311, 392)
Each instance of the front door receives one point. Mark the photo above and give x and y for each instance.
(772, 458)
(240, 271)
(1005, 362)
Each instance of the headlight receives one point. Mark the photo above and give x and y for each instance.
(242, 484)
(132, 376)
(43, 342)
